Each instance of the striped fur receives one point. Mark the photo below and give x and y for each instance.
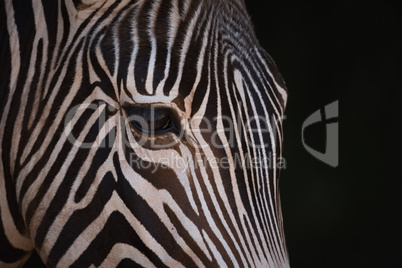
(90, 207)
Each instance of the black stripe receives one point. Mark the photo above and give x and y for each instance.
(9, 254)
(144, 52)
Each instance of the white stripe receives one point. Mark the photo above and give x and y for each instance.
(121, 252)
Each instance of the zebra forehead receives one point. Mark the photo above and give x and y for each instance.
(154, 48)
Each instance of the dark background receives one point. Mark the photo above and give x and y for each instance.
(348, 51)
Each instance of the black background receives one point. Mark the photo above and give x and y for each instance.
(348, 51)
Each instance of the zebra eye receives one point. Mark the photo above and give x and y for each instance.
(151, 120)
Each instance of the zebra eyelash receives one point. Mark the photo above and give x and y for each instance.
(153, 120)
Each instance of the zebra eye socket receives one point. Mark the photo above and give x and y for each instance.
(151, 120)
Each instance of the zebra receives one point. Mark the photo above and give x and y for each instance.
(95, 96)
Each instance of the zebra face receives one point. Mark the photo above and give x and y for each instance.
(154, 137)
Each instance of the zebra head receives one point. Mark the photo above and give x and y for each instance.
(141, 132)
